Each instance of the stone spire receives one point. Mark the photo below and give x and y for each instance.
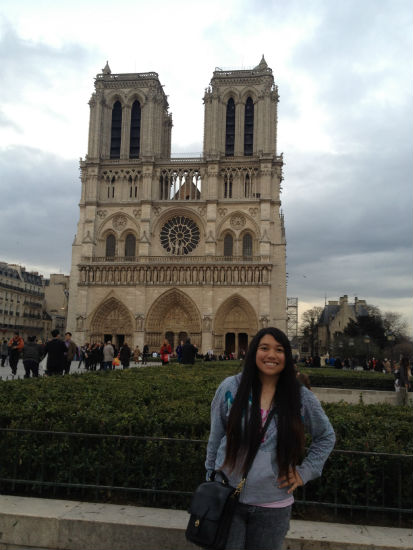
(106, 69)
(262, 65)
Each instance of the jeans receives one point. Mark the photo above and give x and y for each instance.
(258, 528)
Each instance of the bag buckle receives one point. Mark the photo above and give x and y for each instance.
(240, 486)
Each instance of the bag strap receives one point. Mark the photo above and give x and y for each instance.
(241, 484)
(262, 434)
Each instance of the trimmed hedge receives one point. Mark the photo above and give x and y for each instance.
(174, 402)
(326, 377)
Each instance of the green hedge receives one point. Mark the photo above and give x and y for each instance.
(172, 402)
(326, 377)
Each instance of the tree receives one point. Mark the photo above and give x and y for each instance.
(310, 318)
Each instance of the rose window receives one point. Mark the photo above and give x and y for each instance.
(179, 235)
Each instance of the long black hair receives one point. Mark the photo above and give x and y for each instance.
(244, 422)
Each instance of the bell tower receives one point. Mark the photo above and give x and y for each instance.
(180, 247)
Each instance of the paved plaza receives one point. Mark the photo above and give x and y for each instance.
(5, 372)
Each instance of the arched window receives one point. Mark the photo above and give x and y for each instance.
(249, 127)
(230, 129)
(228, 186)
(135, 131)
(228, 245)
(247, 246)
(130, 246)
(110, 246)
(115, 135)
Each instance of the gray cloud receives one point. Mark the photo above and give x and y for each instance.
(40, 193)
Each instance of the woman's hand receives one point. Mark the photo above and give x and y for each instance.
(292, 480)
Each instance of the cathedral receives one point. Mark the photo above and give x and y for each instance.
(180, 248)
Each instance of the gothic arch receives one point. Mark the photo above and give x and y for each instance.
(237, 317)
(111, 317)
(228, 94)
(250, 224)
(249, 92)
(135, 96)
(176, 313)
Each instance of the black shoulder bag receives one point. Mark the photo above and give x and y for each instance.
(213, 506)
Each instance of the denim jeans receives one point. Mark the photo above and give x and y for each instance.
(258, 528)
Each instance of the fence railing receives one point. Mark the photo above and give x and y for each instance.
(163, 472)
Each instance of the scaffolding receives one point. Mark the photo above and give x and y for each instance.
(292, 320)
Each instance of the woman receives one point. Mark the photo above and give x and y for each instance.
(165, 352)
(238, 412)
(125, 355)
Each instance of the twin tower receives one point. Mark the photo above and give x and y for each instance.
(180, 248)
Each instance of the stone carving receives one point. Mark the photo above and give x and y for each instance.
(202, 210)
(264, 320)
(156, 210)
(137, 212)
(253, 211)
(180, 235)
(139, 321)
(237, 221)
(119, 222)
(206, 323)
(222, 212)
(79, 322)
(102, 213)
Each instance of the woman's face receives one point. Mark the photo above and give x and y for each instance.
(270, 357)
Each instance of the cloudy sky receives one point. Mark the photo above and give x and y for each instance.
(345, 122)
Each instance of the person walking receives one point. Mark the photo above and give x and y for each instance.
(145, 354)
(56, 354)
(178, 350)
(32, 355)
(15, 346)
(71, 350)
(4, 352)
(188, 353)
(267, 387)
(403, 379)
(125, 355)
(108, 356)
(166, 350)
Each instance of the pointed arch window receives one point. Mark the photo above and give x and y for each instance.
(135, 130)
(116, 130)
(230, 128)
(249, 127)
(130, 246)
(247, 246)
(228, 245)
(228, 186)
(110, 246)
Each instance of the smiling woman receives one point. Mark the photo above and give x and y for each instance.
(273, 465)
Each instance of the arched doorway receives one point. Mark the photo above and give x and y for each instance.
(174, 316)
(235, 324)
(111, 320)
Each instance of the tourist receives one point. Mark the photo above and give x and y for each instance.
(165, 352)
(403, 379)
(4, 352)
(188, 353)
(71, 350)
(125, 355)
(15, 346)
(56, 358)
(108, 356)
(145, 354)
(136, 355)
(241, 405)
(178, 350)
(32, 355)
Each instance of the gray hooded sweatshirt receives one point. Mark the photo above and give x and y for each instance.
(262, 485)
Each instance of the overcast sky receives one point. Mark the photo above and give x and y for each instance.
(343, 69)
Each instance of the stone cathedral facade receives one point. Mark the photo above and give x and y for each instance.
(180, 247)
